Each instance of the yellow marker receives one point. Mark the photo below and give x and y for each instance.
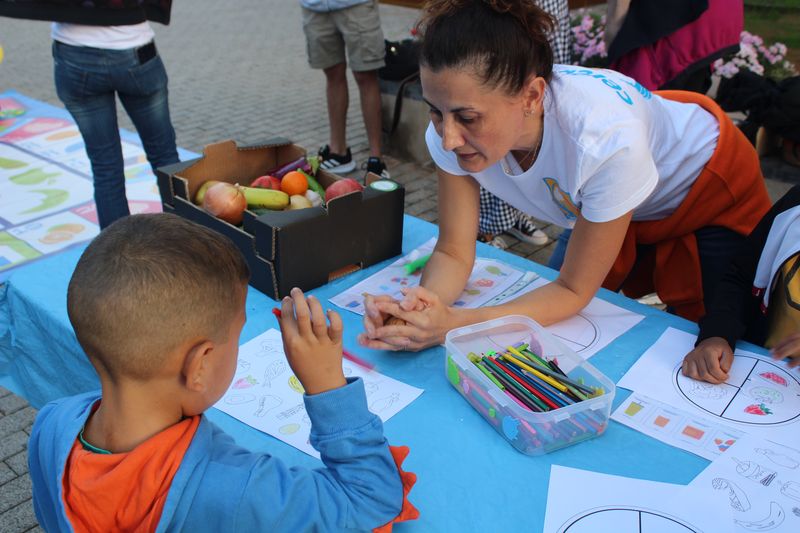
(546, 379)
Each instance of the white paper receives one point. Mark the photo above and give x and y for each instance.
(593, 328)
(489, 278)
(760, 481)
(761, 396)
(266, 395)
(579, 501)
(701, 436)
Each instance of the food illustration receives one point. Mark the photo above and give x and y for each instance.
(791, 489)
(274, 369)
(484, 282)
(775, 378)
(774, 519)
(778, 458)
(755, 471)
(289, 429)
(62, 233)
(266, 404)
(238, 399)
(766, 395)
(296, 386)
(34, 176)
(723, 445)
(495, 270)
(738, 498)
(757, 409)
(707, 390)
(50, 198)
(11, 164)
(245, 382)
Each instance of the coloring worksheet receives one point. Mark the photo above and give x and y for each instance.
(760, 481)
(761, 396)
(701, 436)
(489, 279)
(593, 328)
(266, 395)
(579, 501)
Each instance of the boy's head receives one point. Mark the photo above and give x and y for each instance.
(152, 286)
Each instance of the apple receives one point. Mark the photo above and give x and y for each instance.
(342, 187)
(201, 192)
(267, 182)
(298, 201)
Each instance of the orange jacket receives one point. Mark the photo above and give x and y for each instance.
(729, 192)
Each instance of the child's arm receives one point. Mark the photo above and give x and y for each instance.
(360, 485)
(788, 348)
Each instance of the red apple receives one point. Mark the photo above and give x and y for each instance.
(342, 187)
(267, 182)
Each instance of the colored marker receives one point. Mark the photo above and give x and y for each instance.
(416, 264)
(276, 312)
(357, 360)
(535, 372)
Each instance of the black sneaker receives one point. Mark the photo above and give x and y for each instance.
(377, 166)
(526, 231)
(336, 163)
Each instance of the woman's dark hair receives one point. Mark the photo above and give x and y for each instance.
(504, 41)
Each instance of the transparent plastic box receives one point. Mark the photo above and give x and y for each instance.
(532, 433)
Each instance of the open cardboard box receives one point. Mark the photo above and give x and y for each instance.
(305, 248)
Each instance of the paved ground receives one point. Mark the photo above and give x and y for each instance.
(237, 70)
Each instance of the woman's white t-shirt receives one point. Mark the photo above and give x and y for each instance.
(609, 147)
(107, 37)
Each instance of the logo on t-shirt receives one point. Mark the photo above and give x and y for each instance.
(611, 84)
(562, 199)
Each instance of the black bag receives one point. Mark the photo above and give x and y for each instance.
(402, 60)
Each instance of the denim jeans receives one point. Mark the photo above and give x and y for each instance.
(716, 246)
(87, 81)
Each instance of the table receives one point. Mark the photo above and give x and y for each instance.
(464, 466)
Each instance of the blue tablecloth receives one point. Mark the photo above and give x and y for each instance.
(470, 479)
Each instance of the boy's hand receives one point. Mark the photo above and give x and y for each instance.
(788, 348)
(710, 361)
(313, 348)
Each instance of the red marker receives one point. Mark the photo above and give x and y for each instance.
(276, 312)
(357, 360)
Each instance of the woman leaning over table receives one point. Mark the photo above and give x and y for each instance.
(659, 188)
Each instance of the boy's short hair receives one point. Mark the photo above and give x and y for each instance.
(149, 283)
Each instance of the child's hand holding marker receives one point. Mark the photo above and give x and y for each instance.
(788, 348)
(710, 361)
(313, 346)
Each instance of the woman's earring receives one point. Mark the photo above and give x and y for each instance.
(528, 113)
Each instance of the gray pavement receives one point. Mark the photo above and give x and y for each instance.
(237, 70)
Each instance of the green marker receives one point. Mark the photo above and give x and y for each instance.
(416, 264)
(476, 361)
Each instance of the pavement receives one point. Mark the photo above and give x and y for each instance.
(237, 70)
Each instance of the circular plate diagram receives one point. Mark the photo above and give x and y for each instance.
(757, 392)
(625, 519)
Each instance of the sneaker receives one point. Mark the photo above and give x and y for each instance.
(336, 163)
(526, 231)
(377, 166)
(495, 240)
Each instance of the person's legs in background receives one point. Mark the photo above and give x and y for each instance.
(83, 84)
(496, 217)
(144, 95)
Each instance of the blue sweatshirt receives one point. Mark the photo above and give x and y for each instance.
(221, 486)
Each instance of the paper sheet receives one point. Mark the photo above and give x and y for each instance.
(701, 436)
(760, 481)
(579, 501)
(593, 328)
(489, 279)
(761, 396)
(266, 395)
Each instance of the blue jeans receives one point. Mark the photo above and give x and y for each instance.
(716, 247)
(87, 81)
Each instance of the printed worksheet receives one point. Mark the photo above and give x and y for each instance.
(698, 435)
(579, 501)
(489, 279)
(760, 481)
(761, 396)
(266, 395)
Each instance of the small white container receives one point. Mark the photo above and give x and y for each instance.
(532, 433)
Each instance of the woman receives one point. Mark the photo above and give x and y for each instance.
(658, 192)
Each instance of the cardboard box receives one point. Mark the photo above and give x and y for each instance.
(305, 248)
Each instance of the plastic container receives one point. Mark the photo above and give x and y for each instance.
(532, 433)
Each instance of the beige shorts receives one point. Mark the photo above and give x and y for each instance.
(356, 29)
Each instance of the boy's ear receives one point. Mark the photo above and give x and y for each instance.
(196, 366)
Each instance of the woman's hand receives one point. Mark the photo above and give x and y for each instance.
(788, 348)
(426, 322)
(710, 361)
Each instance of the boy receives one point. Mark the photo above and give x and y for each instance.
(758, 299)
(158, 304)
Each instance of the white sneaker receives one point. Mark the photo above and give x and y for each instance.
(496, 241)
(526, 231)
(336, 163)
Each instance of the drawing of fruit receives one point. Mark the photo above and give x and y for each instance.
(775, 378)
(51, 198)
(495, 270)
(245, 382)
(289, 429)
(484, 282)
(274, 369)
(238, 399)
(738, 498)
(33, 176)
(724, 445)
(755, 471)
(472, 292)
(757, 409)
(766, 395)
(266, 404)
(11, 163)
(296, 386)
(61, 233)
(774, 519)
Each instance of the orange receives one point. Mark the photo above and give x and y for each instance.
(294, 183)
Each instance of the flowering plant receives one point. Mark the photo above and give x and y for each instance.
(755, 56)
(588, 44)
